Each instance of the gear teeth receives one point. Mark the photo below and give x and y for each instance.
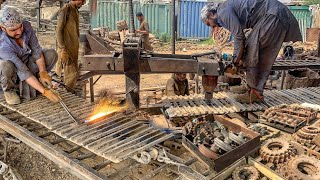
(281, 155)
(306, 134)
(290, 170)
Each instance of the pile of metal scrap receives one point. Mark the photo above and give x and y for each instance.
(301, 167)
(9, 173)
(288, 117)
(215, 138)
(248, 169)
(223, 102)
(265, 132)
(306, 135)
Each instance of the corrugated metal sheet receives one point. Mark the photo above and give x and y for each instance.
(303, 15)
(190, 24)
(108, 13)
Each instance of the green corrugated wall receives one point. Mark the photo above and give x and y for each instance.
(157, 15)
(303, 15)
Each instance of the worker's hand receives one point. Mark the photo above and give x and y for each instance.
(45, 79)
(64, 56)
(51, 95)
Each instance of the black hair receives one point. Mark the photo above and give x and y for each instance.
(139, 14)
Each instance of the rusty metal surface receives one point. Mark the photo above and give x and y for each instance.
(218, 142)
(306, 135)
(301, 167)
(50, 151)
(116, 138)
(277, 151)
(289, 118)
(223, 102)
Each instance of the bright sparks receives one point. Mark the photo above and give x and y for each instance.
(107, 105)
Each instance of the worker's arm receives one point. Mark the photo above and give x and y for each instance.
(41, 63)
(231, 22)
(170, 87)
(62, 18)
(33, 82)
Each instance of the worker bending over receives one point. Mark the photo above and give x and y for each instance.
(271, 22)
(144, 30)
(177, 85)
(68, 37)
(22, 59)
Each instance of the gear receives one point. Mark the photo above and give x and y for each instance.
(301, 140)
(306, 134)
(277, 151)
(300, 168)
(246, 172)
(311, 129)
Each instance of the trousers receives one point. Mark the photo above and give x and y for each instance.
(9, 78)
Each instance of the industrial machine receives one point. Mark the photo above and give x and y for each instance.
(133, 61)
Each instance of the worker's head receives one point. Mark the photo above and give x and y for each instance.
(11, 22)
(140, 16)
(181, 76)
(78, 3)
(209, 15)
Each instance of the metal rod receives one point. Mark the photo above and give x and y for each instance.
(131, 16)
(97, 80)
(173, 28)
(91, 89)
(68, 111)
(51, 152)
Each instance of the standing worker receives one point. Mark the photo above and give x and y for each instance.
(144, 30)
(22, 59)
(271, 22)
(177, 85)
(68, 37)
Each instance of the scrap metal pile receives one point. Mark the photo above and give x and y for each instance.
(115, 138)
(213, 139)
(218, 141)
(306, 135)
(293, 116)
(223, 102)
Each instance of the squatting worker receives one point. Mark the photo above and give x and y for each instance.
(68, 42)
(144, 30)
(22, 59)
(271, 22)
(177, 85)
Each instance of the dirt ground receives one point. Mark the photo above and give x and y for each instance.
(32, 165)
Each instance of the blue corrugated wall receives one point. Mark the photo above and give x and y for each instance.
(190, 24)
(159, 17)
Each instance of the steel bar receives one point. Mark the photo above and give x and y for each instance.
(48, 150)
